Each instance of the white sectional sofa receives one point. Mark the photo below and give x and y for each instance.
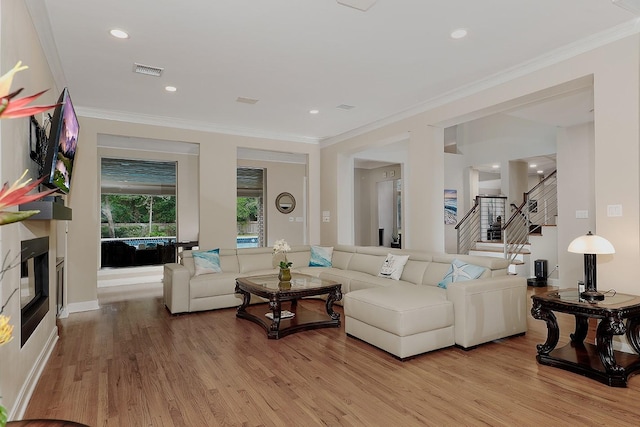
(404, 317)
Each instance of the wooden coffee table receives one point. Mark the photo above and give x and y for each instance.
(277, 293)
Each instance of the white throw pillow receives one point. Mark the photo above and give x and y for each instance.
(207, 262)
(392, 266)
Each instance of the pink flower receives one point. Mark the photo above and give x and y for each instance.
(10, 107)
(17, 195)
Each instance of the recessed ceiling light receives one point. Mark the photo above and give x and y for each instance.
(540, 171)
(170, 88)
(533, 165)
(314, 111)
(459, 33)
(119, 34)
(495, 166)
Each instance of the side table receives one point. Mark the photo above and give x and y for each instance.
(618, 314)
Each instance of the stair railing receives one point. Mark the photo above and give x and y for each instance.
(468, 229)
(539, 207)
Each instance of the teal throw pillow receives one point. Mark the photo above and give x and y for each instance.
(207, 261)
(320, 256)
(460, 271)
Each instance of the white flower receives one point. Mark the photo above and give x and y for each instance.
(281, 246)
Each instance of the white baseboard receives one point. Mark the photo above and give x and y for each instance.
(129, 276)
(123, 281)
(77, 307)
(24, 396)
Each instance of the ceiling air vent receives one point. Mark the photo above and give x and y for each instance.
(147, 70)
(345, 107)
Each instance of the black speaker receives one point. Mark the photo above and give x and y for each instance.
(540, 267)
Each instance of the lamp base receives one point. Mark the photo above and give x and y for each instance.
(592, 296)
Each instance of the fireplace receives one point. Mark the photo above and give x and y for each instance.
(34, 284)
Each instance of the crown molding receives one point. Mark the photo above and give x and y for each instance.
(173, 122)
(37, 10)
(40, 17)
(571, 50)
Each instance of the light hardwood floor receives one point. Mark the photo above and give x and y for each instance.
(131, 363)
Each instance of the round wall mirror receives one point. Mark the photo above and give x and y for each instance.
(285, 203)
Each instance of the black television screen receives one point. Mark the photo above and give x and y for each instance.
(63, 140)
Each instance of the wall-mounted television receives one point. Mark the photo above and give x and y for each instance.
(61, 148)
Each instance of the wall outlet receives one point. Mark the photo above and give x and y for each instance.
(582, 214)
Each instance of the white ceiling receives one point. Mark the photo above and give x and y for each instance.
(297, 55)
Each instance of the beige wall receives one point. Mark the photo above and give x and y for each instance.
(615, 72)
(576, 188)
(187, 186)
(366, 202)
(217, 196)
(18, 370)
(290, 178)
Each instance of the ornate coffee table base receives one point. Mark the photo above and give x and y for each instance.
(599, 362)
(303, 320)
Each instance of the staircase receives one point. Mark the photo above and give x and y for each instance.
(538, 209)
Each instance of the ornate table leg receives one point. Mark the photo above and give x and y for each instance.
(633, 333)
(553, 332)
(608, 327)
(276, 309)
(334, 295)
(582, 326)
(246, 298)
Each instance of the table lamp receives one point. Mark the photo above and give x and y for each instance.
(591, 245)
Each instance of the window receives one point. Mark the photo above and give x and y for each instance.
(138, 212)
(250, 208)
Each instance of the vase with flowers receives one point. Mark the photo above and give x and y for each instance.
(13, 107)
(281, 246)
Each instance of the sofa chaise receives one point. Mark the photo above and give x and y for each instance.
(415, 314)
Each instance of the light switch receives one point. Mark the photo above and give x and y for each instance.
(614, 210)
(326, 213)
(298, 219)
(325, 219)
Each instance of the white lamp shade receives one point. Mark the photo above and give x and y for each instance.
(591, 244)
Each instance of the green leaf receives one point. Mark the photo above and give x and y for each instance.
(11, 217)
(3, 416)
